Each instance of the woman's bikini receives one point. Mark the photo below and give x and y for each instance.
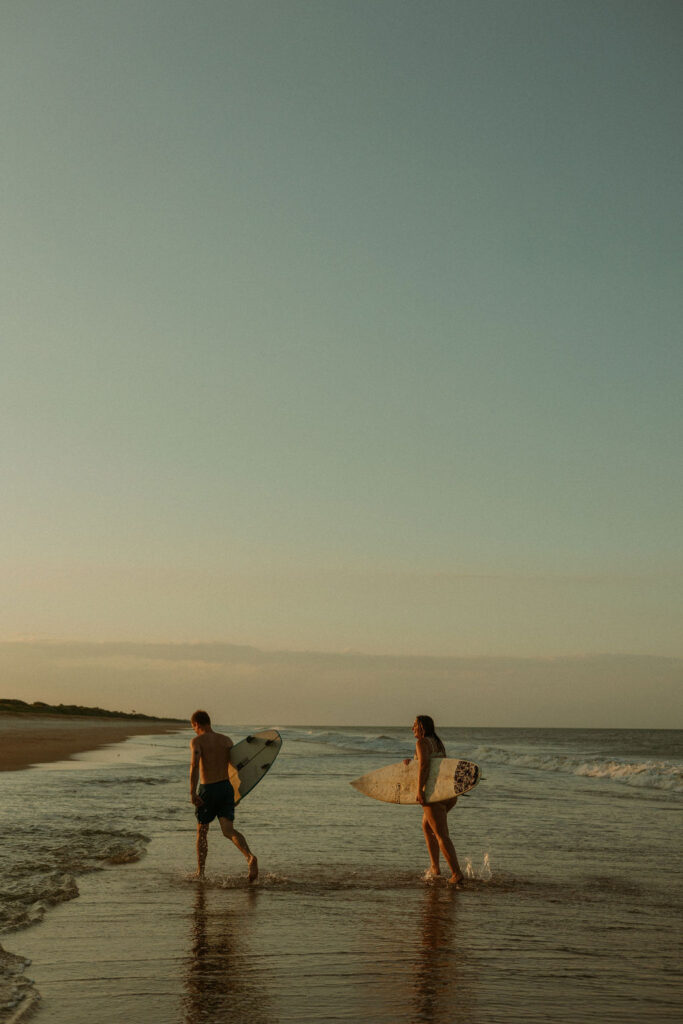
(434, 749)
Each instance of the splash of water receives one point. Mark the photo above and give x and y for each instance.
(484, 873)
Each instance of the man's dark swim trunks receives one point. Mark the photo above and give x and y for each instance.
(219, 801)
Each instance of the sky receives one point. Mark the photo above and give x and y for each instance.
(344, 328)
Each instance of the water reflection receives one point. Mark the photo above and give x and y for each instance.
(222, 981)
(441, 992)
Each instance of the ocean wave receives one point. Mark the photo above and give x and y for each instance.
(41, 873)
(650, 774)
(25, 902)
(128, 780)
(659, 775)
(352, 742)
(644, 774)
(18, 995)
(89, 849)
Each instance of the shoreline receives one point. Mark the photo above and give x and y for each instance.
(27, 740)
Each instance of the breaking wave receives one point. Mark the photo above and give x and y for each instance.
(43, 870)
(128, 780)
(352, 742)
(663, 775)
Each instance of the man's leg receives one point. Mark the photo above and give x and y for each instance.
(202, 848)
(230, 832)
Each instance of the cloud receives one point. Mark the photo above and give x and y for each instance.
(243, 684)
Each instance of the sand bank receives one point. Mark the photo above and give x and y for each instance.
(33, 739)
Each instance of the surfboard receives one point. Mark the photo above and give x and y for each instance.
(251, 759)
(397, 783)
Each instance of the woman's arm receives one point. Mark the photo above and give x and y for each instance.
(423, 755)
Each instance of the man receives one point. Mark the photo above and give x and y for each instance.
(210, 757)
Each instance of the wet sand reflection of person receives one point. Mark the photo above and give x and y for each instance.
(221, 981)
(441, 995)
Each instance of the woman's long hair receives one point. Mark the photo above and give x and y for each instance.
(427, 723)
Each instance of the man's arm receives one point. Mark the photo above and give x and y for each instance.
(195, 757)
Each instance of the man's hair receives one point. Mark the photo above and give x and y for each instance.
(200, 718)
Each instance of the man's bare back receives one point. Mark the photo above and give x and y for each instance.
(213, 752)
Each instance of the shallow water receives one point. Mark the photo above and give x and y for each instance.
(569, 913)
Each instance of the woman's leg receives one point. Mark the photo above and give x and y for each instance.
(432, 846)
(435, 815)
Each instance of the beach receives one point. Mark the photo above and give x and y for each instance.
(27, 739)
(568, 912)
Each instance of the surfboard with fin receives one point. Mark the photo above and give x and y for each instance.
(251, 759)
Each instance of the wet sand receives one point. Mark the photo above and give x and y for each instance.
(146, 942)
(37, 739)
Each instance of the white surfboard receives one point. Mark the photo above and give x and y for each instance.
(251, 759)
(397, 783)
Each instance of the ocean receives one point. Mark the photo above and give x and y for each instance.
(571, 910)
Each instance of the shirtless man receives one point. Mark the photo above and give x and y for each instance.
(210, 757)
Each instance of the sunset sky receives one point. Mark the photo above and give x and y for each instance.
(348, 327)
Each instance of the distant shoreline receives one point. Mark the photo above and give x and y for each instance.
(28, 738)
(14, 706)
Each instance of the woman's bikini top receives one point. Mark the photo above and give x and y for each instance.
(434, 749)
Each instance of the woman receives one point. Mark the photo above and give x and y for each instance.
(434, 821)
